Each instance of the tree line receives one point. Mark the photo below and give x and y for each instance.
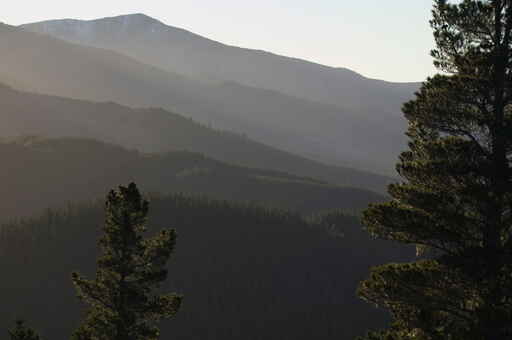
(246, 271)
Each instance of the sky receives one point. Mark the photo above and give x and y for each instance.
(383, 39)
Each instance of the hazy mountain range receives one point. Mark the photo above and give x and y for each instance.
(177, 50)
(157, 131)
(328, 114)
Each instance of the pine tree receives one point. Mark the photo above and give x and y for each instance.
(123, 304)
(455, 200)
(22, 332)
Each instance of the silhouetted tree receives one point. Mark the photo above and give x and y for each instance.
(456, 199)
(122, 301)
(22, 332)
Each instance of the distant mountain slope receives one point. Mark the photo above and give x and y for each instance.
(41, 173)
(156, 130)
(320, 131)
(178, 50)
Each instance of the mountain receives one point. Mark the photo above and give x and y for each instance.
(322, 131)
(177, 50)
(245, 272)
(41, 173)
(156, 131)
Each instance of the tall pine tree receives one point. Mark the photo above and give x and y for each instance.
(455, 201)
(123, 303)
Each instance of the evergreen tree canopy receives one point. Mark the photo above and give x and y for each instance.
(22, 332)
(456, 198)
(123, 304)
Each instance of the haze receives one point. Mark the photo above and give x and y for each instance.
(375, 38)
(259, 131)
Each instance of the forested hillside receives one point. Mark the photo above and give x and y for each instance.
(156, 130)
(246, 272)
(41, 173)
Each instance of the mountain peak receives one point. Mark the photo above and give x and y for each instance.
(129, 20)
(137, 15)
(87, 30)
(134, 17)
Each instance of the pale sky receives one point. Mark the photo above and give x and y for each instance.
(384, 39)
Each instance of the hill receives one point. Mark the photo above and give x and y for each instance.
(155, 131)
(41, 173)
(321, 131)
(246, 272)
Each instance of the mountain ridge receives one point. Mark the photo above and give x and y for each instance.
(138, 24)
(157, 22)
(157, 130)
(320, 131)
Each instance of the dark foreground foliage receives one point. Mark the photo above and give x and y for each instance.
(22, 332)
(455, 203)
